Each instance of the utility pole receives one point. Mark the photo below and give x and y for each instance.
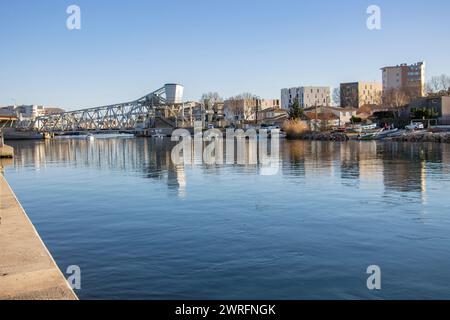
(257, 108)
(316, 123)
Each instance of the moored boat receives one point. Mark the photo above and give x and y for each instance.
(16, 134)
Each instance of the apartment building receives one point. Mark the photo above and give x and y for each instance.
(247, 109)
(32, 111)
(358, 94)
(306, 96)
(407, 78)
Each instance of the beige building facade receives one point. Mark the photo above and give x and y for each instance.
(247, 109)
(407, 78)
(358, 94)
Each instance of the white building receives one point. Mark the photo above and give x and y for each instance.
(306, 96)
(27, 112)
(345, 115)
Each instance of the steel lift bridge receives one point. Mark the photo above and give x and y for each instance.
(163, 104)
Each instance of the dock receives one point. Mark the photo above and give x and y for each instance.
(5, 151)
(27, 269)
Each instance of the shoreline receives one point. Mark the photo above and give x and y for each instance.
(27, 269)
(415, 136)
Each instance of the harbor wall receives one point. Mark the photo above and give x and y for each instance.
(27, 269)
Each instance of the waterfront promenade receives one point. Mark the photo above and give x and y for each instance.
(27, 270)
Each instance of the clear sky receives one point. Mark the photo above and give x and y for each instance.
(126, 49)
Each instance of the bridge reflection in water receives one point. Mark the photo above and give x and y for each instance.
(398, 167)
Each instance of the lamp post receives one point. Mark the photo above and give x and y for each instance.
(316, 123)
(258, 101)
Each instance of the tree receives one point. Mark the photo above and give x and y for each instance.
(438, 84)
(210, 99)
(424, 113)
(355, 119)
(396, 100)
(295, 112)
(243, 105)
(337, 96)
(246, 96)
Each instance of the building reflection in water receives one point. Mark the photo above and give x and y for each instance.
(401, 167)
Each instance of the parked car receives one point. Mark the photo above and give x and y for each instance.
(415, 126)
(210, 126)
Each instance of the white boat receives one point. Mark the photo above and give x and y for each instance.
(92, 136)
(74, 136)
(364, 128)
(158, 134)
(386, 133)
(380, 134)
(109, 135)
(369, 136)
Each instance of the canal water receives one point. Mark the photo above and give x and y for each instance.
(140, 227)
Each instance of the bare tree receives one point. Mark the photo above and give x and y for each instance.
(233, 107)
(210, 99)
(337, 96)
(438, 84)
(444, 81)
(396, 100)
(246, 96)
(243, 105)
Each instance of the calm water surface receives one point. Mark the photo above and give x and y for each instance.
(141, 228)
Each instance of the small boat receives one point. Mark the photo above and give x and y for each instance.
(363, 128)
(386, 133)
(70, 136)
(378, 135)
(370, 135)
(158, 134)
(92, 136)
(398, 133)
(281, 134)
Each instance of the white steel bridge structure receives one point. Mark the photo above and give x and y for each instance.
(130, 116)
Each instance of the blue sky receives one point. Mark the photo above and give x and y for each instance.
(126, 49)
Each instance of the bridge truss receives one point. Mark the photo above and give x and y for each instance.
(129, 116)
